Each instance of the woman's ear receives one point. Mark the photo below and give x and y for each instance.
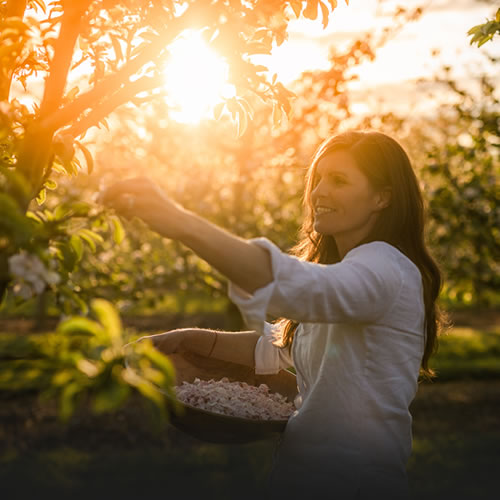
(384, 198)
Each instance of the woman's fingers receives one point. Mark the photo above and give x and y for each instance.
(135, 187)
(142, 198)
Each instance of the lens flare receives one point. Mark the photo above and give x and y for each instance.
(195, 79)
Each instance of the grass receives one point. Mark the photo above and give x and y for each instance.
(458, 466)
(468, 353)
(208, 471)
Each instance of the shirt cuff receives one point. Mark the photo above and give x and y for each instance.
(253, 307)
(267, 358)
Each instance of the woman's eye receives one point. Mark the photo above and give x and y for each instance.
(337, 180)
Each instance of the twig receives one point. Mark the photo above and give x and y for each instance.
(110, 104)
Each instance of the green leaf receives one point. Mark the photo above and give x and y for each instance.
(161, 361)
(311, 10)
(109, 318)
(147, 389)
(92, 234)
(79, 325)
(485, 39)
(79, 208)
(242, 121)
(34, 216)
(41, 4)
(68, 400)
(90, 242)
(260, 68)
(68, 254)
(50, 184)
(333, 4)
(118, 231)
(474, 29)
(90, 237)
(277, 115)
(62, 378)
(77, 245)
(324, 13)
(88, 157)
(111, 396)
(42, 196)
(61, 211)
(243, 102)
(64, 148)
(296, 7)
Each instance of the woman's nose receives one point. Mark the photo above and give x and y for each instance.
(319, 190)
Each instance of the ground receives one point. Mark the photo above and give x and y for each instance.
(456, 431)
(456, 448)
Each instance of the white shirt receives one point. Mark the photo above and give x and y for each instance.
(357, 353)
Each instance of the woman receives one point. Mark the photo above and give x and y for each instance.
(358, 308)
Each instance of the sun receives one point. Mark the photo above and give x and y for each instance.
(195, 79)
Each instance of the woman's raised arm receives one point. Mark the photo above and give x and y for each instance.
(246, 265)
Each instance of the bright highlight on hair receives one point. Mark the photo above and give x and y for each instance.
(195, 79)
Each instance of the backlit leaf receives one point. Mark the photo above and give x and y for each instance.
(108, 317)
(324, 13)
(118, 231)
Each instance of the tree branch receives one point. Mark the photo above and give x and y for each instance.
(64, 47)
(105, 87)
(35, 149)
(120, 97)
(194, 16)
(15, 8)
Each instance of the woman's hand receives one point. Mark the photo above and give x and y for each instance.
(247, 265)
(168, 342)
(140, 197)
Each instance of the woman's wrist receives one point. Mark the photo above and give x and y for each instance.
(198, 341)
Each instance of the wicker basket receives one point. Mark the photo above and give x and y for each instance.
(217, 428)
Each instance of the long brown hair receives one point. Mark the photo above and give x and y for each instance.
(401, 224)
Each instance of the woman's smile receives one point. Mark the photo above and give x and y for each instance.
(321, 210)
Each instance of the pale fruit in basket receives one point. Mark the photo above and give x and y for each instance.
(237, 399)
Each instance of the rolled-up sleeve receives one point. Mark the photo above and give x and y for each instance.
(269, 358)
(360, 288)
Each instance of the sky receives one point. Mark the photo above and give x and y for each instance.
(404, 59)
(388, 83)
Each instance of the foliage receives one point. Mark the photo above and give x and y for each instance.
(253, 186)
(456, 155)
(83, 362)
(461, 179)
(95, 55)
(485, 32)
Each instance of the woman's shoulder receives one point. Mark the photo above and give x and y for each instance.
(383, 253)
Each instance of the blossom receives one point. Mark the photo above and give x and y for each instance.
(31, 277)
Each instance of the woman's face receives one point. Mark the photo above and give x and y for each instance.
(345, 204)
